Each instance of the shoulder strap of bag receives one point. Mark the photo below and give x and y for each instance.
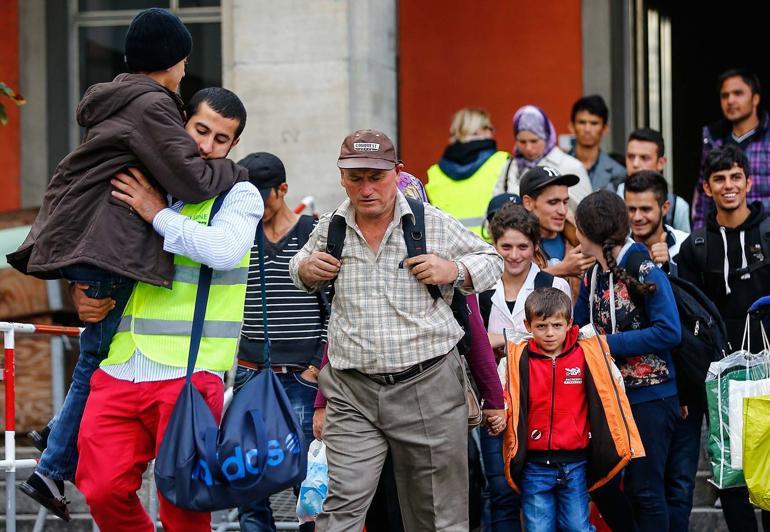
(699, 239)
(414, 237)
(505, 176)
(335, 239)
(263, 292)
(543, 280)
(202, 299)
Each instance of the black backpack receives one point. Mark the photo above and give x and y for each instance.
(700, 248)
(414, 238)
(704, 335)
(542, 280)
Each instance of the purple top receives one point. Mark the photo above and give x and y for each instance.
(481, 360)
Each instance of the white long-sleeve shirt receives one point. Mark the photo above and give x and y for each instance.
(220, 245)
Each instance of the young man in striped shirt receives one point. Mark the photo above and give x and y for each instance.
(296, 319)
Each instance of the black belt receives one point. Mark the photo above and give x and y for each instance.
(408, 373)
(277, 368)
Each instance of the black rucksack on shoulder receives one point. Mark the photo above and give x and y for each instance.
(704, 335)
(699, 240)
(542, 280)
(414, 238)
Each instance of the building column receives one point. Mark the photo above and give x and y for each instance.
(309, 73)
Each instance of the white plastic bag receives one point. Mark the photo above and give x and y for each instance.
(312, 492)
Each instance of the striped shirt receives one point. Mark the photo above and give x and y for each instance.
(220, 245)
(295, 318)
(383, 319)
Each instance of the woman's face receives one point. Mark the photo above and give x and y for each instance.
(517, 251)
(530, 146)
(588, 247)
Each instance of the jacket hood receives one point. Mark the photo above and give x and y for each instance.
(569, 342)
(461, 159)
(103, 100)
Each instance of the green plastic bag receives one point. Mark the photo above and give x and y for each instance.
(729, 381)
(756, 449)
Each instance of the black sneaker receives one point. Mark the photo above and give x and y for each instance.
(40, 439)
(39, 488)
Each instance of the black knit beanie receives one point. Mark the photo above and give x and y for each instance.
(156, 40)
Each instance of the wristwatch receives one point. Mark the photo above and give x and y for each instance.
(460, 280)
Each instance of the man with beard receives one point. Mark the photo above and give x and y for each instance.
(646, 195)
(743, 126)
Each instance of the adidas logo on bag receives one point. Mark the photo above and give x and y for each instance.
(238, 465)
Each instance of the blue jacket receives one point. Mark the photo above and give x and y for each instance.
(647, 330)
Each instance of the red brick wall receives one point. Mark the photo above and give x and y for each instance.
(10, 155)
(494, 54)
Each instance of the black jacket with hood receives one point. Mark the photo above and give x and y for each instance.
(130, 121)
(731, 290)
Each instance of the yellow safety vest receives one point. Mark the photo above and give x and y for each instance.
(466, 199)
(158, 321)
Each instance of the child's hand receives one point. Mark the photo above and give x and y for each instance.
(495, 421)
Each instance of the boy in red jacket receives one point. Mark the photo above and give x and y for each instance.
(554, 485)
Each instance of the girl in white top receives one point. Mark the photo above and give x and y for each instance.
(516, 236)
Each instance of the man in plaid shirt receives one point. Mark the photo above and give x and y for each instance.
(743, 126)
(394, 379)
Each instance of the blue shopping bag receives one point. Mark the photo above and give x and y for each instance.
(255, 453)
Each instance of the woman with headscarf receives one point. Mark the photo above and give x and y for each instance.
(536, 146)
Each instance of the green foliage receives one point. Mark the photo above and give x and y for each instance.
(18, 99)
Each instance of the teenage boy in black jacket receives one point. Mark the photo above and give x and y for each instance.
(727, 261)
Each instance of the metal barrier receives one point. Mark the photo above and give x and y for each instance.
(9, 463)
(307, 202)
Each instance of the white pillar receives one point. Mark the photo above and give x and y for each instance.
(309, 73)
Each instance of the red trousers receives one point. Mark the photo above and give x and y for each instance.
(121, 432)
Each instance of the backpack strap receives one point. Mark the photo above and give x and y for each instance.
(634, 262)
(414, 237)
(305, 226)
(485, 306)
(543, 280)
(335, 239)
(699, 248)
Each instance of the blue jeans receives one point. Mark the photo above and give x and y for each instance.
(645, 480)
(555, 496)
(504, 503)
(60, 458)
(681, 468)
(258, 516)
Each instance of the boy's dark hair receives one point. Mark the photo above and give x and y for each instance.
(647, 180)
(645, 134)
(594, 104)
(547, 302)
(512, 216)
(748, 77)
(221, 100)
(723, 158)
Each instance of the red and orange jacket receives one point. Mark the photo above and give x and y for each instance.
(613, 437)
(557, 417)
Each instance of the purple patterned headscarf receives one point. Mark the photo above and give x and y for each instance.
(533, 119)
(411, 187)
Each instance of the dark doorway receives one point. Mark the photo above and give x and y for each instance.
(707, 39)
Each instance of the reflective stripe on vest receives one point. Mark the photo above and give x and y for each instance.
(466, 199)
(158, 321)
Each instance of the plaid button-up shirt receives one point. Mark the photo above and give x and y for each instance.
(383, 320)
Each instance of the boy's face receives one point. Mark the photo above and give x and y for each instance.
(645, 214)
(643, 155)
(549, 333)
(728, 188)
(213, 133)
